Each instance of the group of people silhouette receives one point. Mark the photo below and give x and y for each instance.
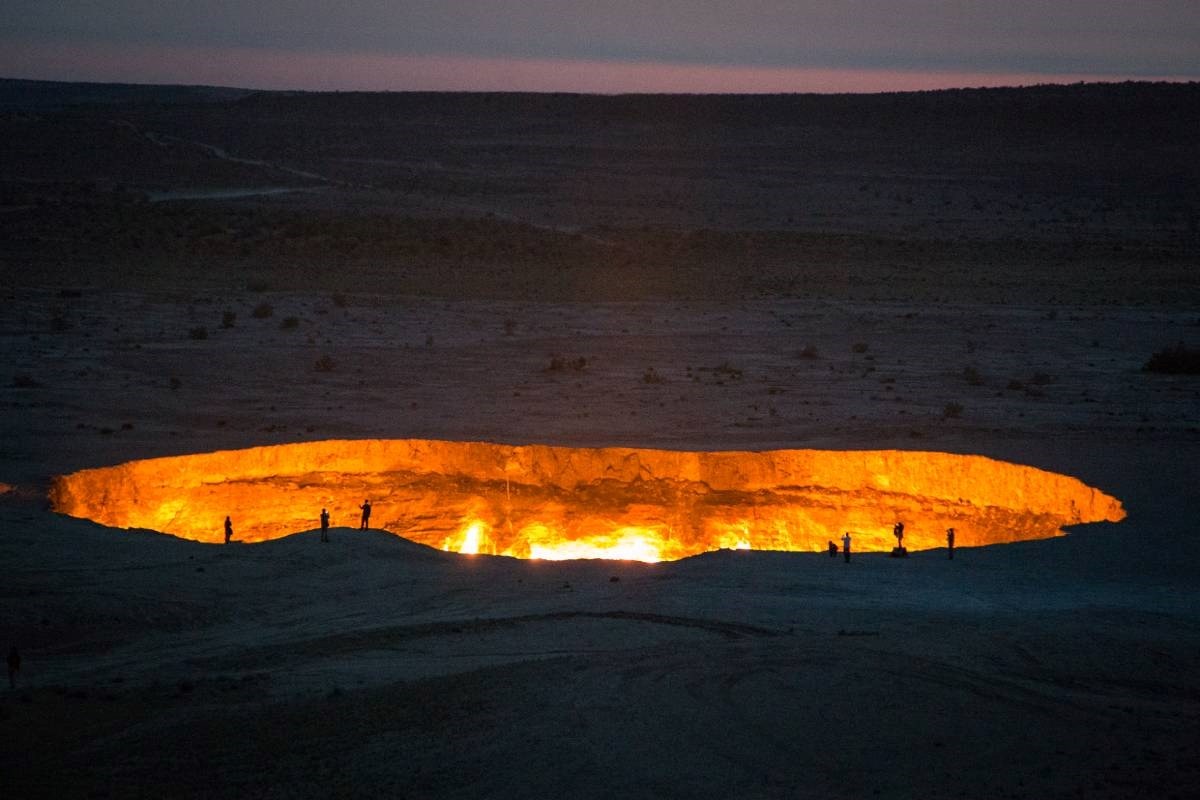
(898, 532)
(363, 525)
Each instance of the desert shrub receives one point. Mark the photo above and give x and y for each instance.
(262, 311)
(1177, 360)
(289, 322)
(1015, 385)
(559, 364)
(198, 333)
(510, 327)
(228, 319)
(952, 411)
(258, 285)
(809, 352)
(859, 347)
(727, 370)
(324, 364)
(59, 325)
(339, 299)
(1041, 379)
(651, 376)
(972, 376)
(24, 381)
(175, 383)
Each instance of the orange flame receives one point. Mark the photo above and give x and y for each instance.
(547, 502)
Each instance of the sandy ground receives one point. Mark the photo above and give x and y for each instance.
(372, 666)
(964, 272)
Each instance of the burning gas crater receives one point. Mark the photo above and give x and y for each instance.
(547, 502)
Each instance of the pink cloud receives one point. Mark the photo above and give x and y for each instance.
(277, 69)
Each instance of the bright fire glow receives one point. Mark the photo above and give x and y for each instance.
(630, 544)
(468, 539)
(537, 501)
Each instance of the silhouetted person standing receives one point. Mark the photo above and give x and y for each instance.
(324, 525)
(950, 543)
(846, 546)
(366, 517)
(14, 666)
(898, 532)
(832, 549)
(228, 530)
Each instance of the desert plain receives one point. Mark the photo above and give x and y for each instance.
(977, 272)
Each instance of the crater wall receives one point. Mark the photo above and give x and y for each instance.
(556, 502)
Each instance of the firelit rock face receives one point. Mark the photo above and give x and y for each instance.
(563, 502)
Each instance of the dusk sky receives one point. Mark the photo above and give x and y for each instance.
(602, 45)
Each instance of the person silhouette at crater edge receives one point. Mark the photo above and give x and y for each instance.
(14, 666)
(228, 529)
(324, 525)
(366, 515)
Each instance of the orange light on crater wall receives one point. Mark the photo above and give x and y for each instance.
(538, 501)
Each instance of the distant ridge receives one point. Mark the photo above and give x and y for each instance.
(27, 94)
(18, 93)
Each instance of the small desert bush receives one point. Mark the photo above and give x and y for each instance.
(228, 319)
(257, 285)
(972, 376)
(651, 376)
(1177, 360)
(952, 411)
(23, 381)
(289, 323)
(559, 364)
(198, 333)
(809, 352)
(262, 311)
(339, 299)
(510, 327)
(324, 364)
(727, 370)
(859, 347)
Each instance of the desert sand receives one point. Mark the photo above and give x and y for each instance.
(374, 666)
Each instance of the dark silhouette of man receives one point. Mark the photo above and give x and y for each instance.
(324, 525)
(228, 529)
(898, 532)
(832, 549)
(846, 546)
(366, 517)
(950, 543)
(14, 666)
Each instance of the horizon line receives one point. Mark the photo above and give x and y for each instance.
(260, 69)
(1099, 81)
